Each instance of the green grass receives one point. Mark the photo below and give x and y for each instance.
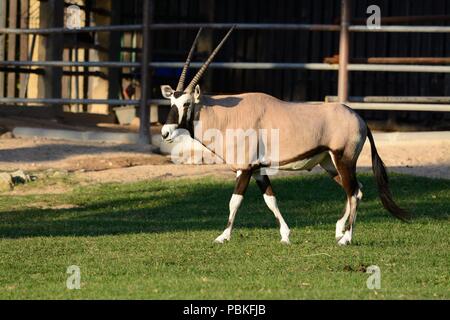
(153, 240)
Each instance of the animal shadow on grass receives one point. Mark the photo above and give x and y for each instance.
(158, 207)
(51, 152)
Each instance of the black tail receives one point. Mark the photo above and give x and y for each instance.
(379, 171)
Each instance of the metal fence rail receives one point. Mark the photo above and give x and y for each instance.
(343, 67)
(46, 31)
(239, 26)
(113, 102)
(397, 106)
(435, 105)
(420, 29)
(238, 65)
(421, 99)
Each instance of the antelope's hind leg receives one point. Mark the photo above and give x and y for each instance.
(344, 174)
(328, 165)
(242, 181)
(347, 173)
(352, 206)
(269, 197)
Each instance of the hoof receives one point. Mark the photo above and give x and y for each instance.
(346, 239)
(221, 239)
(286, 242)
(343, 242)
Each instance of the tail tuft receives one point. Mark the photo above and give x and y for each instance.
(382, 180)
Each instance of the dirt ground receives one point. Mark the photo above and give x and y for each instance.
(108, 162)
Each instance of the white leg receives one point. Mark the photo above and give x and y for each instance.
(271, 202)
(235, 202)
(347, 236)
(340, 224)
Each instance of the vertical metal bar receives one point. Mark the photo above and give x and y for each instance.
(114, 82)
(344, 52)
(12, 38)
(51, 15)
(144, 112)
(86, 57)
(3, 16)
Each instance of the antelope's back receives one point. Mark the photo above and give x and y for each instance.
(302, 129)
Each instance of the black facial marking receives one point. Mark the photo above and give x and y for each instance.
(184, 121)
(172, 117)
(178, 94)
(193, 116)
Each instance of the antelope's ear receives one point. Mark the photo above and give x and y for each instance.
(166, 91)
(197, 93)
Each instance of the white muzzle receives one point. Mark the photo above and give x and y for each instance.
(167, 132)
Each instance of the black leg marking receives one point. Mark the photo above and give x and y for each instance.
(242, 182)
(264, 185)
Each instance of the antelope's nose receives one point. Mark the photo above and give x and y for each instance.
(165, 134)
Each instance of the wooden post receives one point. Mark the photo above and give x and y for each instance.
(344, 52)
(144, 112)
(51, 15)
(2, 45)
(11, 76)
(25, 82)
(66, 81)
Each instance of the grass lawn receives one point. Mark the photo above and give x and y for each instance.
(153, 240)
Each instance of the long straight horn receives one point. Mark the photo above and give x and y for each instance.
(186, 64)
(207, 62)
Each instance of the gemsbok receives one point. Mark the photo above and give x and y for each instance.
(330, 135)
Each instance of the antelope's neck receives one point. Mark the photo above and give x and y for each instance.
(207, 118)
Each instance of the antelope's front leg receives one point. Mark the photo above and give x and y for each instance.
(242, 180)
(269, 197)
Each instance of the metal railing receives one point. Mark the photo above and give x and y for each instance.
(241, 26)
(238, 65)
(343, 67)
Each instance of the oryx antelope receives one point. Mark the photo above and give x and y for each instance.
(330, 135)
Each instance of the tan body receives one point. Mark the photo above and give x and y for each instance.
(305, 130)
